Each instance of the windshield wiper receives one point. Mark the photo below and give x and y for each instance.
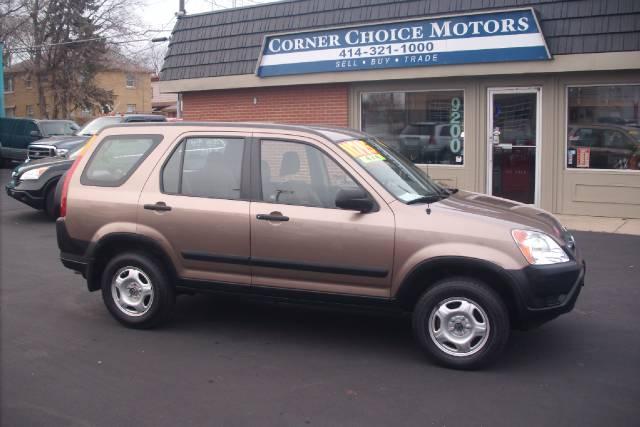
(432, 198)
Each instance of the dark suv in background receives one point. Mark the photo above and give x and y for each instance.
(34, 181)
(16, 134)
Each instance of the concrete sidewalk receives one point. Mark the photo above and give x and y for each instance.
(601, 224)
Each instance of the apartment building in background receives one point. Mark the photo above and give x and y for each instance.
(130, 84)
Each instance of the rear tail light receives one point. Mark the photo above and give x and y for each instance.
(67, 178)
(431, 140)
(65, 186)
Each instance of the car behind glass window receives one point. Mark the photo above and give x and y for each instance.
(426, 126)
(205, 167)
(116, 158)
(603, 129)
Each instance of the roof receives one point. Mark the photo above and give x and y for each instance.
(228, 42)
(332, 134)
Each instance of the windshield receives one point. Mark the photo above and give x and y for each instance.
(396, 174)
(634, 132)
(59, 128)
(95, 125)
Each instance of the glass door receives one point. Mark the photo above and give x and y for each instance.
(514, 142)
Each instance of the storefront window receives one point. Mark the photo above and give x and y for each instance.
(604, 127)
(427, 127)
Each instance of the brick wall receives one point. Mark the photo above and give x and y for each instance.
(311, 104)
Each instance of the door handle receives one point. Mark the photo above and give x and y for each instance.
(272, 217)
(159, 206)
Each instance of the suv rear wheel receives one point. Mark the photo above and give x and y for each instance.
(461, 323)
(136, 290)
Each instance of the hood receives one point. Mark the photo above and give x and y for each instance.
(34, 164)
(519, 214)
(62, 141)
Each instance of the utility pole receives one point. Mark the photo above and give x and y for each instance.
(1, 79)
(181, 12)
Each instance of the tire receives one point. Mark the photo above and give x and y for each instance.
(138, 274)
(449, 319)
(49, 203)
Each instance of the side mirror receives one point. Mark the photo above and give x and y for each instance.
(354, 200)
(35, 134)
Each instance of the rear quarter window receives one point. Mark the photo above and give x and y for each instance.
(117, 158)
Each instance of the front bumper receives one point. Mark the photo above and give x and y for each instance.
(30, 197)
(547, 291)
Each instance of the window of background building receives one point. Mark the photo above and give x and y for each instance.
(10, 112)
(427, 127)
(603, 127)
(28, 84)
(131, 108)
(29, 110)
(8, 84)
(131, 80)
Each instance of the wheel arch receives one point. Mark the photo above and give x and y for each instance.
(426, 274)
(115, 243)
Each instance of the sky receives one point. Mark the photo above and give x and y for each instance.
(159, 15)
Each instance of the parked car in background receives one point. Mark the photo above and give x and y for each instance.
(314, 214)
(34, 181)
(426, 142)
(609, 146)
(59, 146)
(17, 133)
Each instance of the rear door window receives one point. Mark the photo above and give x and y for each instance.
(205, 167)
(116, 158)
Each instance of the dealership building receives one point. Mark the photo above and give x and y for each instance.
(536, 101)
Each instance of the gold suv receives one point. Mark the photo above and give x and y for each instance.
(150, 211)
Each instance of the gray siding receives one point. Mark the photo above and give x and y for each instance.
(228, 42)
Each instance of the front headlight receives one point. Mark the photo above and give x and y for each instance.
(538, 248)
(33, 174)
(61, 151)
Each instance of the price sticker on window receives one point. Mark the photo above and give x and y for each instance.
(362, 151)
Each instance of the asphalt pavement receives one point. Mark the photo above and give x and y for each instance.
(221, 362)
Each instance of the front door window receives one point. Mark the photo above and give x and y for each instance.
(299, 174)
(513, 140)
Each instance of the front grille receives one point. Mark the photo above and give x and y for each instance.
(40, 151)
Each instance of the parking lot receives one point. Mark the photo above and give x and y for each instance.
(66, 362)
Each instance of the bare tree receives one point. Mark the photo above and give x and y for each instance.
(153, 56)
(65, 44)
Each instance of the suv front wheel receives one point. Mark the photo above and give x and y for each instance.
(136, 291)
(461, 323)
